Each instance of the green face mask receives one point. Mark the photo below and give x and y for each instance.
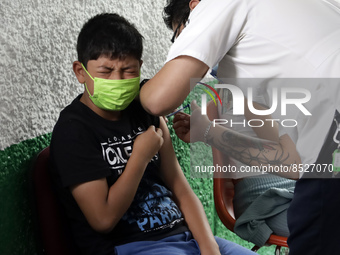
(113, 95)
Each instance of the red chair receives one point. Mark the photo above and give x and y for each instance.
(50, 223)
(224, 193)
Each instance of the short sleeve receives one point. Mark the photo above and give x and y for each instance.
(141, 116)
(214, 27)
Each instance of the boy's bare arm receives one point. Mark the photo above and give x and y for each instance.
(185, 198)
(102, 206)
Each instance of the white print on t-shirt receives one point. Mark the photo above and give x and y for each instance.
(117, 150)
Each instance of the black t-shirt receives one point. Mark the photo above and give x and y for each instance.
(86, 147)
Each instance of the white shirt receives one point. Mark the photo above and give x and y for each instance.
(273, 39)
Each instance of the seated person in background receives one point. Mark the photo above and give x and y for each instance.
(261, 200)
(113, 164)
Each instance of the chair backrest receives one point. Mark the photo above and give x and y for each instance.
(223, 195)
(223, 187)
(52, 232)
(224, 190)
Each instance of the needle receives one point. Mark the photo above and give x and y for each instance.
(173, 113)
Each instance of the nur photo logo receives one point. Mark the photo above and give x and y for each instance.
(281, 99)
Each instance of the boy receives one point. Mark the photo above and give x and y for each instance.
(113, 164)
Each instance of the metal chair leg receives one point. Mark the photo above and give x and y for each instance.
(278, 250)
(255, 248)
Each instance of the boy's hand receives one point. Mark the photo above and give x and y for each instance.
(149, 143)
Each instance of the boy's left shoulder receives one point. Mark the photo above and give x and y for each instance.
(137, 110)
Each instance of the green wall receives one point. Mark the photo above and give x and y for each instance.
(16, 232)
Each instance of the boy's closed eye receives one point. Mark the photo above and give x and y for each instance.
(130, 70)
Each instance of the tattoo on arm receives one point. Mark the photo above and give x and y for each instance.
(249, 150)
(241, 141)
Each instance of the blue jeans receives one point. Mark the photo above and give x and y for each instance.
(180, 244)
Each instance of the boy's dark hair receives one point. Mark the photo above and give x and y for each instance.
(109, 35)
(176, 12)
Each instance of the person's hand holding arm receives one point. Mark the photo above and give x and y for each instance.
(185, 198)
(181, 125)
(104, 206)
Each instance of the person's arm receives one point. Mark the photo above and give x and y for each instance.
(185, 198)
(257, 152)
(248, 150)
(104, 206)
(171, 85)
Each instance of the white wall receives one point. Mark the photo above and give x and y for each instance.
(38, 39)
